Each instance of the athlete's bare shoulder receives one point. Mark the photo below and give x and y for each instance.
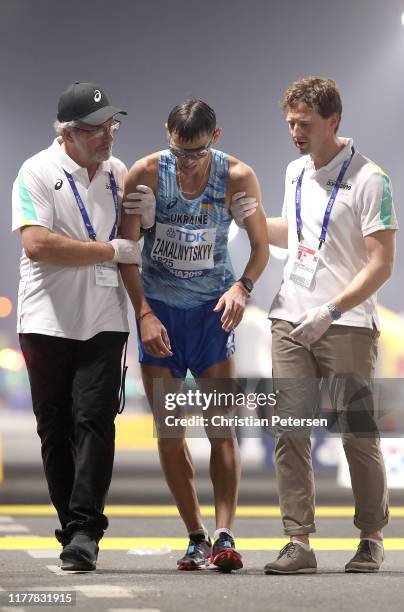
(238, 169)
(241, 178)
(143, 172)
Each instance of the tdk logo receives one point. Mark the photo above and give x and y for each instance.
(346, 186)
(58, 184)
(185, 236)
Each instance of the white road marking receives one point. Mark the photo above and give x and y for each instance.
(13, 528)
(6, 519)
(104, 590)
(43, 554)
(59, 572)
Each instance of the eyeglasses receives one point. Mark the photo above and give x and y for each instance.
(99, 130)
(198, 153)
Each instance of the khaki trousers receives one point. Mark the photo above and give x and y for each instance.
(342, 351)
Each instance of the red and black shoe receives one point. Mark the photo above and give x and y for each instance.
(224, 555)
(197, 555)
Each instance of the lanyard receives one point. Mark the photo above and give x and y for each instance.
(327, 214)
(90, 230)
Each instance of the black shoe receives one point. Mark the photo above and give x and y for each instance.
(63, 536)
(81, 553)
(197, 555)
(225, 555)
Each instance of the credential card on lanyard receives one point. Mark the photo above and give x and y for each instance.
(305, 266)
(106, 274)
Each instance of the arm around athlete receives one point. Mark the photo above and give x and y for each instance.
(42, 245)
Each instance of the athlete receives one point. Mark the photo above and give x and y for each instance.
(192, 301)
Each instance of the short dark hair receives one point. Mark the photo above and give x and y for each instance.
(315, 92)
(191, 118)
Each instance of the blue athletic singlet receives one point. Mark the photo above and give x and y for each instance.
(185, 256)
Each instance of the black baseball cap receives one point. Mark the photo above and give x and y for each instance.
(87, 102)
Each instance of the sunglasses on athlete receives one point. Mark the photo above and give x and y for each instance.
(198, 153)
(99, 130)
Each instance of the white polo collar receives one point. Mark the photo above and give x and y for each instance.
(69, 164)
(336, 161)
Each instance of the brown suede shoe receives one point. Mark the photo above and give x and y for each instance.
(293, 559)
(368, 557)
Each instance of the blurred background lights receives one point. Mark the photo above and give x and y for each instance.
(402, 19)
(11, 360)
(6, 306)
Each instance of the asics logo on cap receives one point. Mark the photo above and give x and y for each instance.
(97, 95)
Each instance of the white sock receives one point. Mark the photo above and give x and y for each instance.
(302, 544)
(201, 531)
(380, 542)
(222, 530)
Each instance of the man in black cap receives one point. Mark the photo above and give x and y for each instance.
(72, 312)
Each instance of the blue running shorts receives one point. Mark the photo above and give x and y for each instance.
(196, 335)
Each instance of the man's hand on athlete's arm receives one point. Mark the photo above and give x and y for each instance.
(42, 245)
(243, 206)
(140, 188)
(141, 202)
(380, 249)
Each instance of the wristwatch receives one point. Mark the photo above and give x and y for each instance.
(334, 312)
(247, 283)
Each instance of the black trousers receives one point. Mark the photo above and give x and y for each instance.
(75, 388)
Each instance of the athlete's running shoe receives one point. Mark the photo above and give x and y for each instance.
(197, 555)
(224, 555)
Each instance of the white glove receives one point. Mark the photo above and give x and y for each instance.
(142, 202)
(313, 324)
(242, 207)
(126, 251)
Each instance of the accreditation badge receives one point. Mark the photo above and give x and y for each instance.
(305, 266)
(106, 274)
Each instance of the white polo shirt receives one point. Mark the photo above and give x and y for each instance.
(363, 206)
(59, 300)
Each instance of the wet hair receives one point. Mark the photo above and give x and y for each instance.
(191, 118)
(320, 94)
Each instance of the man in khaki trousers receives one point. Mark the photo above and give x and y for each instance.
(338, 224)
